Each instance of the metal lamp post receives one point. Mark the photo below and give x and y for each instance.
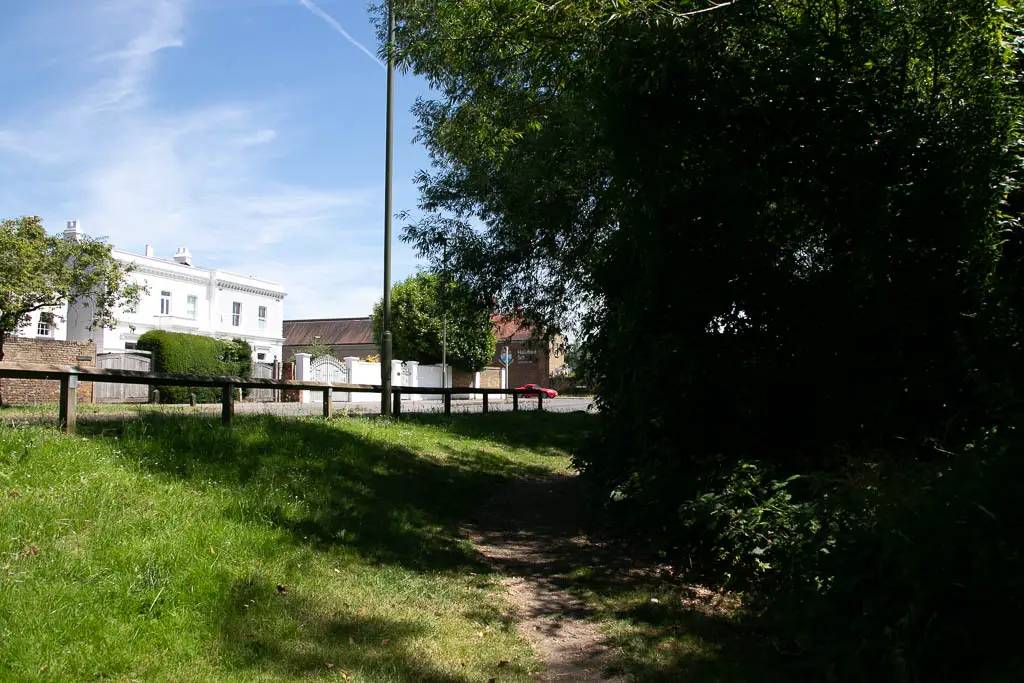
(385, 337)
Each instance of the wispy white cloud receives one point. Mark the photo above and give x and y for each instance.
(202, 176)
(308, 4)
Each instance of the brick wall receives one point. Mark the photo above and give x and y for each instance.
(288, 372)
(490, 378)
(50, 352)
(531, 362)
(461, 378)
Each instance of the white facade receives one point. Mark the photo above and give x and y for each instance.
(184, 298)
(48, 323)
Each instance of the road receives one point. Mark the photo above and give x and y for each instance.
(569, 404)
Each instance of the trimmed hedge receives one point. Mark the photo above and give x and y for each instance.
(190, 353)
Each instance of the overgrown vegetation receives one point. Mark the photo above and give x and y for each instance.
(198, 355)
(281, 549)
(788, 236)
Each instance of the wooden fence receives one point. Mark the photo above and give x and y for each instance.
(70, 375)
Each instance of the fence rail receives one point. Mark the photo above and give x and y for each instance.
(70, 375)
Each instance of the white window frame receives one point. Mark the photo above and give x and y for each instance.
(236, 314)
(191, 306)
(165, 302)
(44, 327)
(262, 314)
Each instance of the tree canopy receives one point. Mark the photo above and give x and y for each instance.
(799, 215)
(419, 306)
(39, 271)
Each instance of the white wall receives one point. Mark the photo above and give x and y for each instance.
(360, 372)
(58, 329)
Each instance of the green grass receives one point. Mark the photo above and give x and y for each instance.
(171, 548)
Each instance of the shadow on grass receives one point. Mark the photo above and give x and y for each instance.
(546, 433)
(666, 643)
(328, 485)
(268, 632)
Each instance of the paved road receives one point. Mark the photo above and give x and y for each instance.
(557, 405)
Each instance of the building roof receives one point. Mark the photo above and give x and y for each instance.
(511, 329)
(334, 331)
(331, 331)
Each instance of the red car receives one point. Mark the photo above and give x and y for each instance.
(533, 391)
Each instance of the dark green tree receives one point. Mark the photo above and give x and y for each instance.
(419, 306)
(791, 210)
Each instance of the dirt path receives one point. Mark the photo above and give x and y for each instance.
(530, 532)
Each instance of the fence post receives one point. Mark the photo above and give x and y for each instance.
(396, 404)
(447, 401)
(540, 401)
(68, 403)
(485, 401)
(328, 401)
(227, 403)
(515, 400)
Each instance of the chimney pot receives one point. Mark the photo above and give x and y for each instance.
(149, 250)
(73, 231)
(183, 256)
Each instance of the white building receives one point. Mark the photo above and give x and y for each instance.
(44, 324)
(184, 298)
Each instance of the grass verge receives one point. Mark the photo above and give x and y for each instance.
(170, 548)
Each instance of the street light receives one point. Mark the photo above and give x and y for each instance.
(385, 337)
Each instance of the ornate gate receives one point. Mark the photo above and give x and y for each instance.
(328, 369)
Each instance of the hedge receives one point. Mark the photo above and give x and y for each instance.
(193, 354)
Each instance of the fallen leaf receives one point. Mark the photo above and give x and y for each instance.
(212, 551)
(385, 641)
(337, 571)
(344, 675)
(282, 589)
(330, 666)
(351, 640)
(332, 614)
(361, 612)
(32, 549)
(14, 493)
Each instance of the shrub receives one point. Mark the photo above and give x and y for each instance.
(193, 354)
(237, 357)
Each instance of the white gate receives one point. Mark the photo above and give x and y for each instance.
(109, 392)
(328, 369)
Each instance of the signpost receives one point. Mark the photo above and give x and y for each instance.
(506, 359)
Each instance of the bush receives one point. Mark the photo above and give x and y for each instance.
(889, 568)
(237, 357)
(193, 354)
(921, 581)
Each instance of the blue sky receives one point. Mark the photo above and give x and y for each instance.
(250, 131)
